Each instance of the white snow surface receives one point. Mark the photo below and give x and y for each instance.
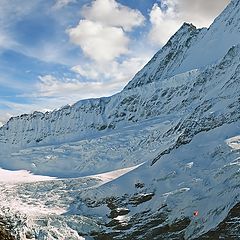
(41, 205)
(210, 185)
(174, 130)
(184, 180)
(21, 176)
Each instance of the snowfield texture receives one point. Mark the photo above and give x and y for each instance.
(170, 142)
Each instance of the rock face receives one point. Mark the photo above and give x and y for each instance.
(169, 58)
(4, 234)
(180, 116)
(227, 229)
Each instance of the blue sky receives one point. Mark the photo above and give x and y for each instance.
(56, 52)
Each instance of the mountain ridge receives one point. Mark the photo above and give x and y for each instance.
(177, 122)
(93, 115)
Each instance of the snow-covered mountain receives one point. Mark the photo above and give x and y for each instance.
(178, 121)
(189, 51)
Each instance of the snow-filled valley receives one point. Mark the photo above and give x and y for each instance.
(203, 175)
(159, 160)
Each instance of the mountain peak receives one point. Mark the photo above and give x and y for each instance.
(185, 31)
(167, 59)
(188, 25)
(191, 48)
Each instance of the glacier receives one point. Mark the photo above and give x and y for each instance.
(135, 165)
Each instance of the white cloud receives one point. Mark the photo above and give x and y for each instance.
(111, 13)
(114, 74)
(164, 22)
(87, 71)
(71, 90)
(100, 43)
(201, 13)
(112, 77)
(62, 3)
(168, 15)
(102, 33)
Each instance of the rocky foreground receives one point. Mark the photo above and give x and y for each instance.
(228, 229)
(4, 233)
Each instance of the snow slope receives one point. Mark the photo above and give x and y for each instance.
(177, 122)
(192, 48)
(187, 50)
(176, 185)
(37, 207)
(182, 182)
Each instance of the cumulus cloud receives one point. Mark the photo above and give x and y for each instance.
(102, 33)
(111, 13)
(164, 22)
(103, 36)
(100, 43)
(119, 73)
(168, 15)
(115, 76)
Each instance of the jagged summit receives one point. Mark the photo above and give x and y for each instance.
(192, 48)
(169, 57)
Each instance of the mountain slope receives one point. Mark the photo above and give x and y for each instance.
(178, 119)
(192, 48)
(175, 110)
(227, 229)
(180, 183)
(187, 50)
